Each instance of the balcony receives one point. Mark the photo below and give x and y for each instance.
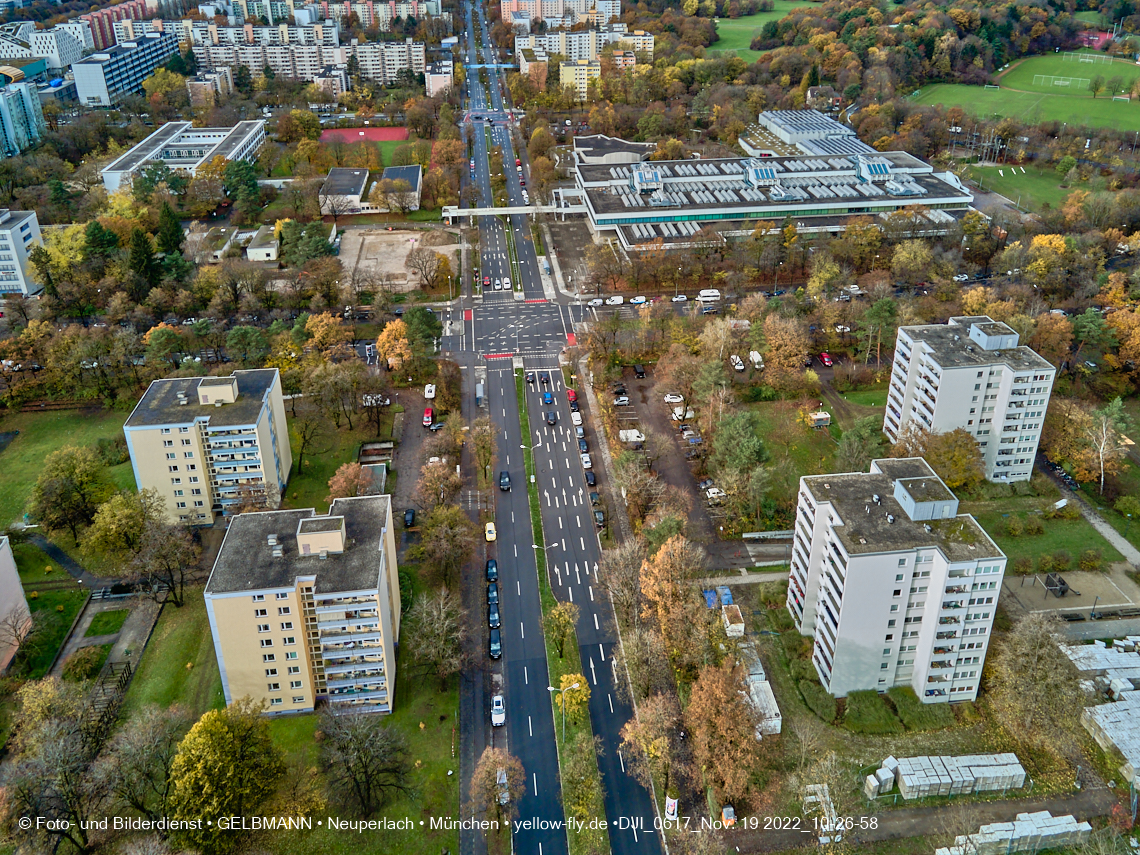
(961, 573)
(348, 664)
(942, 663)
(358, 694)
(356, 679)
(953, 604)
(949, 621)
(362, 633)
(935, 693)
(942, 651)
(939, 679)
(331, 650)
(956, 589)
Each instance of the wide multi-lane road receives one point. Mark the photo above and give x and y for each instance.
(522, 329)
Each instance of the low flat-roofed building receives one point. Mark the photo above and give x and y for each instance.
(181, 146)
(600, 150)
(672, 201)
(264, 245)
(438, 77)
(210, 443)
(343, 190)
(410, 175)
(306, 607)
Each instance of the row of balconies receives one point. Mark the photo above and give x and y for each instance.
(333, 648)
(345, 664)
(957, 589)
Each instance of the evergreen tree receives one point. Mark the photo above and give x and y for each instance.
(269, 73)
(140, 259)
(170, 232)
(99, 242)
(243, 81)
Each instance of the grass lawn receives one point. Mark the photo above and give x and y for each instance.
(308, 489)
(417, 702)
(180, 638)
(811, 452)
(1031, 75)
(1094, 18)
(1031, 189)
(40, 435)
(33, 565)
(1074, 536)
(1129, 479)
(63, 604)
(867, 397)
(106, 623)
(388, 148)
(736, 34)
(1035, 107)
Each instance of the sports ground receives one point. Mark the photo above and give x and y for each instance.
(1053, 87)
(386, 139)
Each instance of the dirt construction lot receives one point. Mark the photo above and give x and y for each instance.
(383, 254)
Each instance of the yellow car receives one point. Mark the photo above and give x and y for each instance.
(490, 532)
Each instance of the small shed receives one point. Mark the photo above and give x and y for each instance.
(733, 621)
(819, 420)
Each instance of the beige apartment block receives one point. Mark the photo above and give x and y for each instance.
(14, 613)
(306, 607)
(208, 443)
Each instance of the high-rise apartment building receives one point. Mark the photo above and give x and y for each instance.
(102, 21)
(379, 61)
(103, 78)
(19, 232)
(58, 46)
(22, 122)
(893, 584)
(972, 374)
(579, 74)
(306, 607)
(584, 44)
(563, 12)
(207, 87)
(209, 443)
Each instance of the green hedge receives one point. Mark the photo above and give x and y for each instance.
(868, 713)
(818, 700)
(915, 714)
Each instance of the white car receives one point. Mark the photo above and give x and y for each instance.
(498, 284)
(576, 418)
(498, 711)
(597, 301)
(621, 401)
(737, 362)
(429, 391)
(961, 277)
(506, 283)
(680, 298)
(674, 399)
(615, 300)
(840, 328)
(636, 301)
(586, 462)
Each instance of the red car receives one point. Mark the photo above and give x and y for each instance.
(429, 417)
(486, 281)
(825, 358)
(571, 395)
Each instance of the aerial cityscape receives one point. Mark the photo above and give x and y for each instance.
(569, 427)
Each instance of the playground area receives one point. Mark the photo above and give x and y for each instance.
(1080, 591)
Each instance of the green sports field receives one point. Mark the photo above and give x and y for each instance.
(736, 34)
(1047, 88)
(1031, 188)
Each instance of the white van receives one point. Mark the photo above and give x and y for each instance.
(708, 295)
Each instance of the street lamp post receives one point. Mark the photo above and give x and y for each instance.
(562, 692)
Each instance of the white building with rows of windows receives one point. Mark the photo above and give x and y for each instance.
(893, 584)
(971, 373)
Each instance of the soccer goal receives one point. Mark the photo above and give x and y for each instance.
(1126, 99)
(1055, 80)
(1100, 58)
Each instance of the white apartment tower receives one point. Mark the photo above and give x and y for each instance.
(895, 586)
(971, 373)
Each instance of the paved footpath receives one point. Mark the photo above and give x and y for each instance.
(1131, 553)
(925, 821)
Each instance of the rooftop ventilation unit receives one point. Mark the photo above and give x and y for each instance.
(278, 551)
(324, 554)
(929, 530)
(272, 539)
(890, 518)
(877, 499)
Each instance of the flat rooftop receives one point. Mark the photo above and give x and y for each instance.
(600, 145)
(160, 405)
(829, 184)
(148, 149)
(345, 182)
(228, 142)
(411, 174)
(867, 529)
(952, 348)
(246, 561)
(925, 489)
(804, 123)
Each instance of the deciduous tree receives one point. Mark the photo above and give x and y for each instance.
(1105, 437)
(648, 740)
(560, 623)
(136, 767)
(722, 725)
(392, 345)
(71, 485)
(954, 455)
(166, 559)
(365, 759)
(447, 539)
(1035, 689)
(577, 700)
(121, 522)
(497, 783)
(437, 632)
(348, 481)
(227, 765)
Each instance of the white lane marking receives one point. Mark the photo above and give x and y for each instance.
(564, 544)
(577, 574)
(512, 516)
(518, 587)
(516, 550)
(577, 520)
(591, 587)
(570, 591)
(522, 629)
(535, 775)
(530, 727)
(596, 621)
(609, 697)
(633, 827)
(603, 650)
(582, 540)
(622, 759)
(526, 676)
(560, 522)
(593, 674)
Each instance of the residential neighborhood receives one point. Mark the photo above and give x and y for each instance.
(569, 428)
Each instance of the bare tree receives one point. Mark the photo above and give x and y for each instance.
(437, 632)
(310, 426)
(427, 263)
(620, 574)
(439, 484)
(366, 760)
(135, 768)
(166, 560)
